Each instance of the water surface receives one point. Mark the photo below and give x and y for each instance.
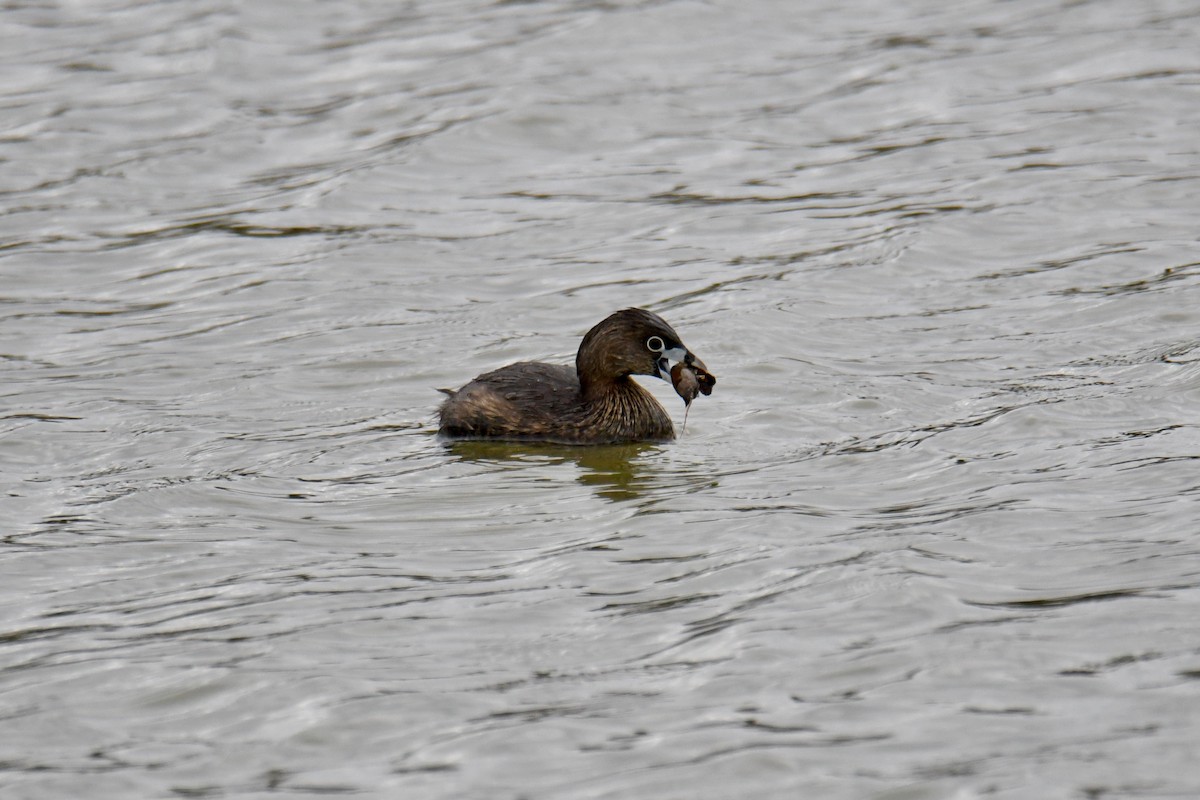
(933, 536)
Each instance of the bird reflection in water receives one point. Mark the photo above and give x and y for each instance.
(616, 472)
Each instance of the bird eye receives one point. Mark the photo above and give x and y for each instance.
(655, 344)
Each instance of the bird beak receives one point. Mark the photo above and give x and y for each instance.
(669, 358)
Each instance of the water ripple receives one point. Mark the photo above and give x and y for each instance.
(941, 257)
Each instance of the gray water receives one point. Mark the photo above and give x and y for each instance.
(933, 536)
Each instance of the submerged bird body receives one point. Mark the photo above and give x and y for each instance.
(594, 403)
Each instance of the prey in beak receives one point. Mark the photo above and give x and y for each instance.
(673, 361)
(687, 374)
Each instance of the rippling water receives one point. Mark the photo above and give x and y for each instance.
(933, 536)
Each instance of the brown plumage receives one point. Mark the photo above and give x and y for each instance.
(595, 403)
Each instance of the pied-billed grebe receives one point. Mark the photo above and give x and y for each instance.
(594, 403)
